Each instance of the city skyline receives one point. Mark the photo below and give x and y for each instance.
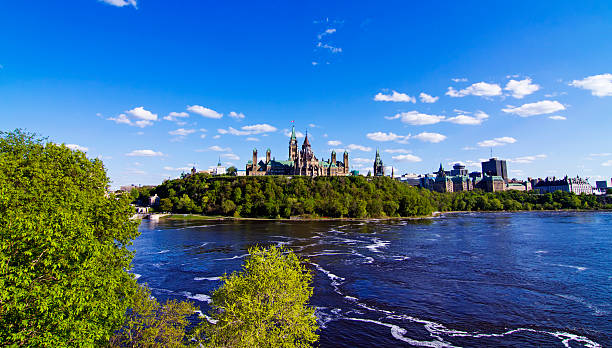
(154, 88)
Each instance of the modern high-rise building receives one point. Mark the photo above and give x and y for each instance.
(495, 167)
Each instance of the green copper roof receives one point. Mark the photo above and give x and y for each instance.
(292, 132)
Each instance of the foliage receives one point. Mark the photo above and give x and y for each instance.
(63, 244)
(334, 197)
(513, 200)
(231, 170)
(281, 196)
(150, 324)
(264, 305)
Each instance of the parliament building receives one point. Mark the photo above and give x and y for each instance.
(300, 162)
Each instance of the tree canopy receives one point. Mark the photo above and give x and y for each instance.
(341, 197)
(63, 246)
(264, 305)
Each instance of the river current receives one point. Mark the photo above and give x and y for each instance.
(527, 279)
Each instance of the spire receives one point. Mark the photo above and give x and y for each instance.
(441, 169)
(306, 142)
(219, 164)
(292, 132)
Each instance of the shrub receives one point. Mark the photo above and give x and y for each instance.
(264, 305)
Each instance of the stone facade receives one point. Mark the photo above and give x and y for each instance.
(576, 185)
(300, 162)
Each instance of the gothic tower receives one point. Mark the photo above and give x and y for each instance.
(293, 145)
(333, 157)
(268, 156)
(346, 162)
(379, 168)
(255, 160)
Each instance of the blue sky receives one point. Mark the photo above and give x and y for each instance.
(153, 87)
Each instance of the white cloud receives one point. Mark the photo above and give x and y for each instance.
(521, 88)
(182, 132)
(216, 136)
(537, 108)
(462, 79)
(77, 147)
(174, 116)
(395, 97)
(205, 112)
(599, 85)
(139, 117)
(334, 142)
(481, 89)
(359, 147)
(248, 130)
(252, 139)
(407, 158)
(236, 115)
(381, 136)
(219, 148)
(558, 118)
(526, 159)
(259, 128)
(123, 119)
(231, 156)
(397, 151)
(497, 142)
(331, 48)
(416, 118)
(430, 137)
(607, 163)
(477, 119)
(328, 31)
(142, 114)
(362, 160)
(121, 3)
(144, 153)
(603, 154)
(426, 98)
(468, 148)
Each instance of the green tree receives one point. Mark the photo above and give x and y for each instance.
(264, 305)
(149, 324)
(63, 246)
(231, 170)
(165, 204)
(228, 207)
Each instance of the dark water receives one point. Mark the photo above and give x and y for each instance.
(471, 280)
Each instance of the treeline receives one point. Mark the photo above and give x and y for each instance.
(334, 197)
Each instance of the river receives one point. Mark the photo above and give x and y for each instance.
(468, 279)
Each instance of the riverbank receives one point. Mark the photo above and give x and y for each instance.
(299, 219)
(179, 217)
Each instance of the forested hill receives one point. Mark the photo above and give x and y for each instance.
(352, 197)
